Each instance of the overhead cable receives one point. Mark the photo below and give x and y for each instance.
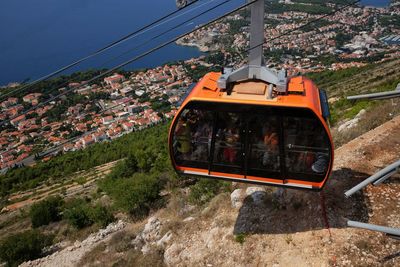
(129, 61)
(97, 52)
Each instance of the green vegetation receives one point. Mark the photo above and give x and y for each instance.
(237, 25)
(342, 38)
(198, 72)
(46, 211)
(77, 213)
(160, 105)
(316, 25)
(80, 214)
(326, 78)
(24, 246)
(392, 21)
(136, 194)
(216, 58)
(240, 238)
(205, 189)
(101, 215)
(310, 9)
(51, 86)
(148, 146)
(345, 109)
(369, 79)
(321, 2)
(125, 168)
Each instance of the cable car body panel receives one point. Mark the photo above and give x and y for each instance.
(246, 137)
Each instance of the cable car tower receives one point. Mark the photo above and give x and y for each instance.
(254, 124)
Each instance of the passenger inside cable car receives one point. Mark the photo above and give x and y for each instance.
(250, 140)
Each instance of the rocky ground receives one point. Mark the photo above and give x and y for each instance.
(264, 226)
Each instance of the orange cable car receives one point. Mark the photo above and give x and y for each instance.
(254, 125)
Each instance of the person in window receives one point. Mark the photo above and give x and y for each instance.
(270, 156)
(202, 139)
(183, 137)
(321, 163)
(231, 139)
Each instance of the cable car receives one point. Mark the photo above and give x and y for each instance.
(254, 125)
(183, 3)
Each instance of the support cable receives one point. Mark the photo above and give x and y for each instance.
(151, 39)
(173, 40)
(128, 62)
(103, 49)
(165, 32)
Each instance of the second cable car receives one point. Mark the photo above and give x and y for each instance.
(254, 125)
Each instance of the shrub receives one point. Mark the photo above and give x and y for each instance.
(24, 246)
(125, 168)
(136, 194)
(46, 211)
(101, 215)
(80, 214)
(240, 238)
(205, 189)
(77, 213)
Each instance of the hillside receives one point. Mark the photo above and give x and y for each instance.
(160, 219)
(265, 228)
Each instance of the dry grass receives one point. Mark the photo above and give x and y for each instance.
(120, 252)
(92, 258)
(374, 117)
(121, 241)
(216, 206)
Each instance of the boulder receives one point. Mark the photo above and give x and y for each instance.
(237, 198)
(151, 230)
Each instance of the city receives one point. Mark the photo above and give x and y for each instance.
(133, 101)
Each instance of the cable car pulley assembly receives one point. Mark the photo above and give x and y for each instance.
(254, 124)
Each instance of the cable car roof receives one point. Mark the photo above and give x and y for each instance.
(301, 93)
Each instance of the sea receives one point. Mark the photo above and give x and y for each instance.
(38, 37)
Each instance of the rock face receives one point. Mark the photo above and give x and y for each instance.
(70, 256)
(257, 193)
(353, 122)
(237, 198)
(151, 236)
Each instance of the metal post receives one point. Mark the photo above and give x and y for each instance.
(255, 69)
(392, 232)
(376, 96)
(391, 169)
(256, 33)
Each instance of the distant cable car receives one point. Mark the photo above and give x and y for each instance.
(254, 125)
(183, 3)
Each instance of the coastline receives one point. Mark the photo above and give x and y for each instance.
(200, 47)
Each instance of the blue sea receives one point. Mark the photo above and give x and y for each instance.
(376, 3)
(40, 36)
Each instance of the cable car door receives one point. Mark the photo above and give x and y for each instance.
(228, 143)
(263, 146)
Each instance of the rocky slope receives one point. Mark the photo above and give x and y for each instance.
(263, 226)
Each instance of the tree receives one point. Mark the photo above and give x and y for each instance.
(124, 169)
(77, 214)
(101, 215)
(46, 211)
(24, 246)
(205, 189)
(136, 194)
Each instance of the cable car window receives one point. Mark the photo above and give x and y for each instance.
(228, 155)
(307, 151)
(192, 138)
(263, 145)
